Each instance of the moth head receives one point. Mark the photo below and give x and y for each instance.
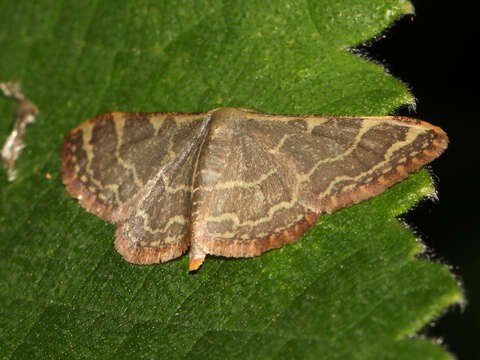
(226, 118)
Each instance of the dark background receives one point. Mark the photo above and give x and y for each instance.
(435, 53)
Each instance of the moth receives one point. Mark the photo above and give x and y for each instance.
(233, 182)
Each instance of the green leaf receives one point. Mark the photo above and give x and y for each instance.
(352, 288)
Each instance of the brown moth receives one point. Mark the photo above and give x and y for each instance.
(233, 182)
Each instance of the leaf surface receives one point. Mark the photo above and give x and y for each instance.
(351, 288)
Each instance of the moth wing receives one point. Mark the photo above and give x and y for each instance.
(340, 161)
(156, 225)
(110, 158)
(245, 197)
(264, 183)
